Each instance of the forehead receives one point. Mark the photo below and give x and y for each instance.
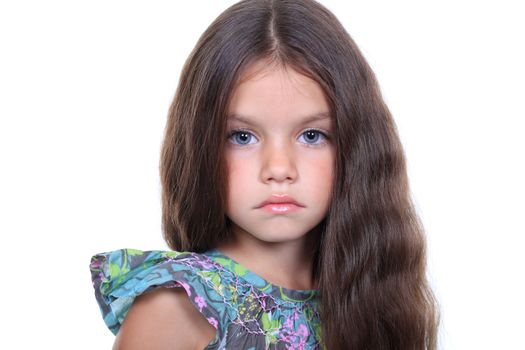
(252, 120)
(267, 92)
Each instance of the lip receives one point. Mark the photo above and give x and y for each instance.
(280, 208)
(279, 201)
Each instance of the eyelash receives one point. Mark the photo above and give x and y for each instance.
(319, 131)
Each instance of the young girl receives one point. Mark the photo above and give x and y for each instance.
(285, 200)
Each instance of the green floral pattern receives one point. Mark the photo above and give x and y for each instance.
(247, 311)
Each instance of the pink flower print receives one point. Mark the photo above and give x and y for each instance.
(303, 331)
(186, 287)
(213, 322)
(206, 265)
(96, 263)
(201, 303)
(288, 324)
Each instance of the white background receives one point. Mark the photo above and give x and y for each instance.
(84, 93)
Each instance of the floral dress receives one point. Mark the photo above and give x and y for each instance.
(247, 311)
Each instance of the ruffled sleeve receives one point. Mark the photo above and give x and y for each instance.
(120, 276)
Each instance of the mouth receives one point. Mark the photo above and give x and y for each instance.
(280, 208)
(280, 203)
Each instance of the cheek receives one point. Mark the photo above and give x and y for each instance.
(321, 177)
(239, 176)
(322, 166)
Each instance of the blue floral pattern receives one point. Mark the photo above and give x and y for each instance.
(247, 311)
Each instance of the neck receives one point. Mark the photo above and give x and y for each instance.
(286, 264)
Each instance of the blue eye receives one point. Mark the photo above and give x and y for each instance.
(313, 135)
(240, 137)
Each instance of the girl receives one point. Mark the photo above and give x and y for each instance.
(285, 200)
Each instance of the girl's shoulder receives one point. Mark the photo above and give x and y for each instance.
(120, 276)
(151, 319)
(244, 308)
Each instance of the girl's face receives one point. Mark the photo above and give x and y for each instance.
(279, 143)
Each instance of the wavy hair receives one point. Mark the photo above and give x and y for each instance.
(371, 259)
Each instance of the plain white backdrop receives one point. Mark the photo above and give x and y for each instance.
(85, 88)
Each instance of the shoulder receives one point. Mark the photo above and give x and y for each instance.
(164, 319)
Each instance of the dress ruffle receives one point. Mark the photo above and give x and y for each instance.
(247, 311)
(120, 276)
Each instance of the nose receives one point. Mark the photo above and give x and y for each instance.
(278, 163)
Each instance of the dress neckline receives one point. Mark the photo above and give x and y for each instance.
(283, 293)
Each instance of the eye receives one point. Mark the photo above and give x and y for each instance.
(312, 136)
(240, 137)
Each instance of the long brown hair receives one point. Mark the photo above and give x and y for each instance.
(371, 260)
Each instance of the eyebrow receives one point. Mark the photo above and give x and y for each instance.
(304, 120)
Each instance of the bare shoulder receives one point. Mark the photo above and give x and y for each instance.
(164, 319)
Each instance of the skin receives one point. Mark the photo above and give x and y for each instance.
(274, 154)
(149, 324)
